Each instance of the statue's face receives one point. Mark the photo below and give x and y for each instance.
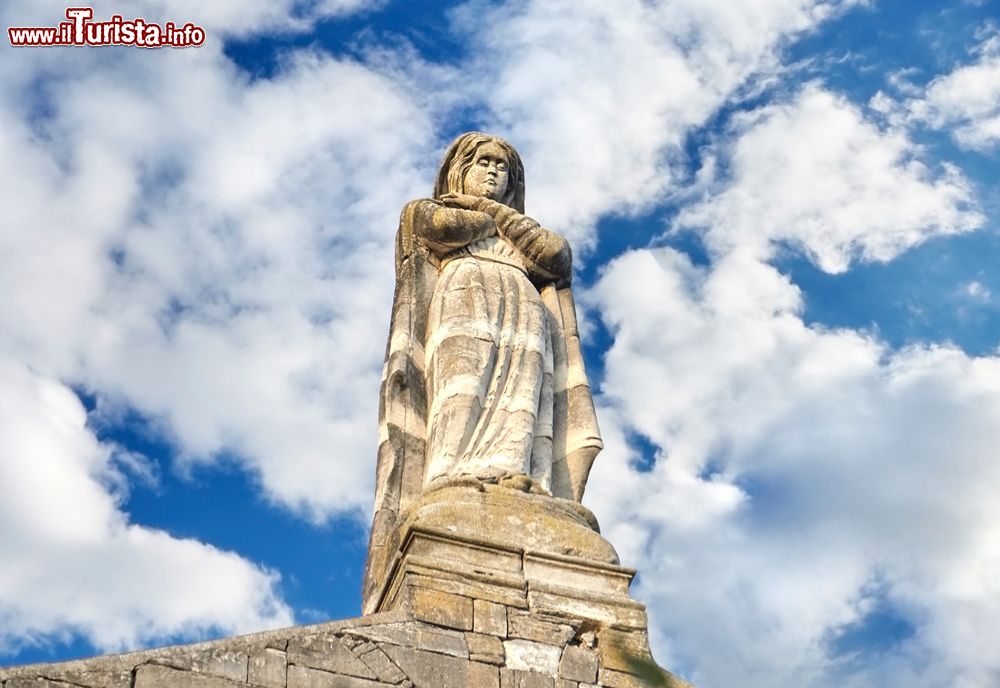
(488, 175)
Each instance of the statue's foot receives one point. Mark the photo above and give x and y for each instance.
(522, 483)
(511, 481)
(443, 481)
(536, 488)
(516, 481)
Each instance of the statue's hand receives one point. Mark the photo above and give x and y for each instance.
(463, 201)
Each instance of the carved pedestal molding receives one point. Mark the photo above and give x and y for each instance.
(529, 552)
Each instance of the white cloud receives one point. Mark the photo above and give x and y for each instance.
(977, 291)
(601, 96)
(965, 102)
(802, 467)
(218, 255)
(814, 173)
(73, 562)
(807, 476)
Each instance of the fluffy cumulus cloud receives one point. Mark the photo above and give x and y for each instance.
(965, 102)
(601, 96)
(814, 173)
(72, 561)
(214, 253)
(810, 484)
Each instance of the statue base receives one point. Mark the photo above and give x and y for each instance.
(486, 588)
(529, 570)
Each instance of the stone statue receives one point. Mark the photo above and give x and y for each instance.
(484, 380)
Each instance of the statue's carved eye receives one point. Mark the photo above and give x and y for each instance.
(485, 162)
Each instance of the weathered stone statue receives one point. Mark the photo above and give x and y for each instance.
(483, 367)
(484, 379)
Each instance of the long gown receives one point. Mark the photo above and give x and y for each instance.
(488, 371)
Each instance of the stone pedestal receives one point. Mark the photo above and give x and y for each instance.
(527, 552)
(484, 588)
(529, 570)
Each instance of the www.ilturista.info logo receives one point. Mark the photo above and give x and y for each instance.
(81, 30)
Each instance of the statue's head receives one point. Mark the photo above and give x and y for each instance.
(457, 173)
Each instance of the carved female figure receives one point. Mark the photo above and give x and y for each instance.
(484, 380)
(489, 353)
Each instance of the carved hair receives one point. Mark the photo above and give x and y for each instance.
(461, 155)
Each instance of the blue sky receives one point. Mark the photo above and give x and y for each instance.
(784, 222)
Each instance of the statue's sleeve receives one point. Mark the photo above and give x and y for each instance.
(548, 255)
(445, 229)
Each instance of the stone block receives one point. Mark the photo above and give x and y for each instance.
(563, 683)
(428, 668)
(304, 677)
(441, 608)
(506, 589)
(89, 678)
(530, 627)
(379, 662)
(528, 655)
(489, 617)
(156, 676)
(100, 679)
(215, 662)
(441, 671)
(651, 676)
(574, 572)
(578, 664)
(267, 669)
(440, 641)
(415, 634)
(477, 556)
(482, 676)
(620, 679)
(623, 650)
(32, 683)
(513, 678)
(327, 653)
(485, 648)
(572, 603)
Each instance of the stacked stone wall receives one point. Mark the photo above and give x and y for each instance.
(448, 643)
